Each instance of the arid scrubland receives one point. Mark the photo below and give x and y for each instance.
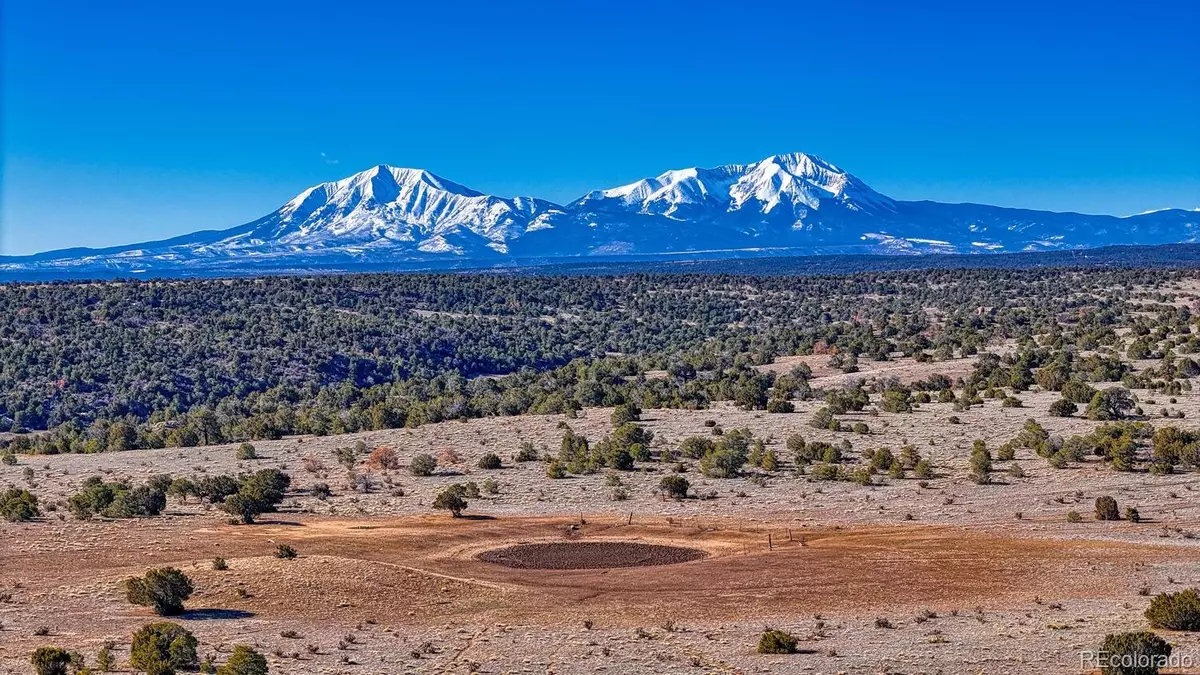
(968, 473)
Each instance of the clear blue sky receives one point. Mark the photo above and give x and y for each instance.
(127, 121)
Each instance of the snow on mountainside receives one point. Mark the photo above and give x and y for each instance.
(386, 207)
(792, 184)
(785, 204)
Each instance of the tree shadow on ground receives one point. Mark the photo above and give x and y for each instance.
(210, 614)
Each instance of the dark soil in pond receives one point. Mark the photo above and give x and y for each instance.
(588, 555)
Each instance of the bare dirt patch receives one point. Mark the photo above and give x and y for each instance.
(589, 555)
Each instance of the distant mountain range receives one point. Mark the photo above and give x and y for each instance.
(797, 204)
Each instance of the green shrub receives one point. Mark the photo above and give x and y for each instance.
(8, 459)
(161, 648)
(489, 461)
(826, 471)
(258, 493)
(422, 465)
(1074, 517)
(245, 451)
(1175, 611)
(1077, 392)
(18, 505)
(555, 469)
(625, 413)
(1106, 509)
(451, 499)
(244, 661)
(526, 453)
(163, 588)
(822, 418)
(1110, 404)
(674, 486)
(980, 464)
(881, 459)
(923, 469)
(780, 405)
(105, 660)
(1063, 408)
(1140, 653)
(285, 552)
(50, 661)
(722, 462)
(776, 642)
(117, 499)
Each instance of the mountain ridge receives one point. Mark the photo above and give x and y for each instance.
(795, 202)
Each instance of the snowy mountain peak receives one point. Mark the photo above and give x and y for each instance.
(797, 182)
(384, 205)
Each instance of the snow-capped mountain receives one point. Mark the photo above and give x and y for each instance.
(795, 204)
(784, 187)
(388, 208)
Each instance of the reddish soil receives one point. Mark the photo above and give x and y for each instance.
(589, 555)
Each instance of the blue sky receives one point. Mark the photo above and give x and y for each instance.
(133, 120)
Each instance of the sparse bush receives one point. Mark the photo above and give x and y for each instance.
(1106, 509)
(258, 493)
(555, 469)
(163, 588)
(780, 405)
(526, 453)
(825, 471)
(219, 564)
(674, 486)
(625, 413)
(923, 469)
(117, 499)
(822, 419)
(980, 464)
(489, 461)
(1139, 653)
(1063, 408)
(422, 465)
(1132, 515)
(50, 661)
(383, 458)
(285, 552)
(163, 647)
(694, 447)
(245, 452)
(105, 660)
(17, 505)
(1074, 517)
(244, 661)
(881, 459)
(776, 642)
(1175, 611)
(722, 462)
(451, 499)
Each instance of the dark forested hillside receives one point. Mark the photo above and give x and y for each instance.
(183, 362)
